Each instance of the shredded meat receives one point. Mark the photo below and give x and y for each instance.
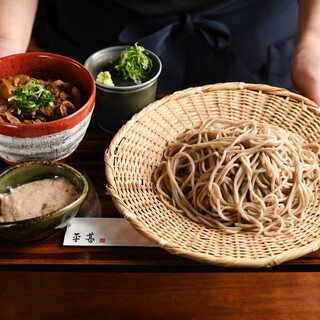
(67, 100)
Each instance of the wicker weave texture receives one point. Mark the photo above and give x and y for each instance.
(137, 149)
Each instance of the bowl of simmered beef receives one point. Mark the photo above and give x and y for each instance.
(46, 104)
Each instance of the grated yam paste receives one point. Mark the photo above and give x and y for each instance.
(36, 198)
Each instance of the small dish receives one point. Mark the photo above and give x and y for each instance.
(115, 105)
(44, 226)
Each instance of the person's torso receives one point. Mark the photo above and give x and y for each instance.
(162, 7)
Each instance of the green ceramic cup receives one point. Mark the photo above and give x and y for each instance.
(42, 227)
(116, 105)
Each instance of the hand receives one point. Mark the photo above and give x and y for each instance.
(16, 23)
(7, 48)
(305, 69)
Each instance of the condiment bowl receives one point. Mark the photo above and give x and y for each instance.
(44, 226)
(115, 105)
(53, 140)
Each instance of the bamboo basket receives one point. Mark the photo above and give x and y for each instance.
(137, 149)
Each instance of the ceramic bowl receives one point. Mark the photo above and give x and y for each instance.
(42, 227)
(54, 140)
(115, 105)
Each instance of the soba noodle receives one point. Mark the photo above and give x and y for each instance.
(239, 176)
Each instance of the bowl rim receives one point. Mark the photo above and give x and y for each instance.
(124, 88)
(47, 163)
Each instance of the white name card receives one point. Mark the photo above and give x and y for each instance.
(103, 232)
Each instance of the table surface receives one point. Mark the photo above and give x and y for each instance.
(143, 282)
(89, 159)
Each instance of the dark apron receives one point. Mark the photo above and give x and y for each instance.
(232, 40)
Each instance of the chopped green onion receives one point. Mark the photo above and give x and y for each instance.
(32, 96)
(133, 63)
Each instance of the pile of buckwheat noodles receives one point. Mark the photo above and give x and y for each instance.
(239, 176)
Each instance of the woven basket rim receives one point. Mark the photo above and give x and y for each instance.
(112, 155)
(278, 91)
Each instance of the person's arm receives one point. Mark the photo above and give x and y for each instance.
(305, 64)
(16, 23)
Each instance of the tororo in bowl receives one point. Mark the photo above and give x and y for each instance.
(38, 199)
